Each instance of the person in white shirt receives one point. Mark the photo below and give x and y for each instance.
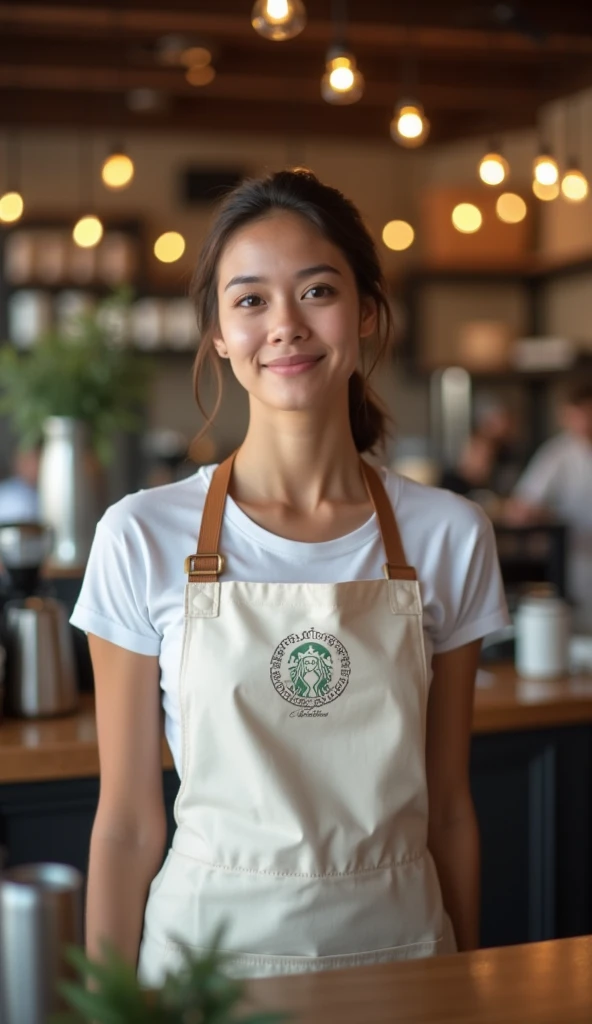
(558, 480)
(316, 648)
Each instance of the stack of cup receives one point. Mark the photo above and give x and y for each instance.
(40, 914)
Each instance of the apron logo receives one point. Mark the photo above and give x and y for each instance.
(310, 669)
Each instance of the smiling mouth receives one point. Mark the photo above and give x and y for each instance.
(290, 366)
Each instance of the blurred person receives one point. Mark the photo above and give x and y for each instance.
(19, 502)
(558, 482)
(496, 422)
(474, 469)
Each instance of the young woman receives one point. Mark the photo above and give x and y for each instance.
(318, 661)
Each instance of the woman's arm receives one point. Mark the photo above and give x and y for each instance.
(129, 831)
(453, 836)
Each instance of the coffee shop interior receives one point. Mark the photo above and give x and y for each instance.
(463, 133)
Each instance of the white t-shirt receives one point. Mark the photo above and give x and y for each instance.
(132, 593)
(559, 477)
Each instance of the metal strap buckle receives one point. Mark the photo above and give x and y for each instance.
(191, 565)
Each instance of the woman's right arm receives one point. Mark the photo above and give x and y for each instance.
(129, 831)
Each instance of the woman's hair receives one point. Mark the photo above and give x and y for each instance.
(296, 191)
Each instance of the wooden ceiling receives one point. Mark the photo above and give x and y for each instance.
(482, 67)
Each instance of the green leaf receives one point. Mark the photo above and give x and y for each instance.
(80, 373)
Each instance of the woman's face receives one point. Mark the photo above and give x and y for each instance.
(290, 318)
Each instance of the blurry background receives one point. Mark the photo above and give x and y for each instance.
(196, 99)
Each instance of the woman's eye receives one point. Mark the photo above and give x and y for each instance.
(249, 301)
(320, 291)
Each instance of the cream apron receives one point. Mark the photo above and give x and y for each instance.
(302, 812)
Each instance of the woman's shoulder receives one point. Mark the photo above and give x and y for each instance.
(160, 508)
(433, 511)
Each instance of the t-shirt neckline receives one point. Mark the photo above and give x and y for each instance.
(304, 551)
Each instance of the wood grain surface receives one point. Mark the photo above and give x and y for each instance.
(540, 983)
(61, 748)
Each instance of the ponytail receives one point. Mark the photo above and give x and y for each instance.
(367, 415)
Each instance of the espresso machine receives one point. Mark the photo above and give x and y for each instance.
(40, 669)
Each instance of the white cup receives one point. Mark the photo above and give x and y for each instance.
(542, 637)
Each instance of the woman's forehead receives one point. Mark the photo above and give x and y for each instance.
(279, 239)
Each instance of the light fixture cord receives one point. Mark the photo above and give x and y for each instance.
(339, 19)
(13, 161)
(85, 182)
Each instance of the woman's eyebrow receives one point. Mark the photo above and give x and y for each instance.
(319, 268)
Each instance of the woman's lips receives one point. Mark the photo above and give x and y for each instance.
(290, 366)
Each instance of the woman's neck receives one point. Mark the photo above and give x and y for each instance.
(298, 460)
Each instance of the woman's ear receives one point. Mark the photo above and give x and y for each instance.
(220, 347)
(368, 317)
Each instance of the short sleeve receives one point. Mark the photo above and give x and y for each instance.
(113, 599)
(476, 603)
(538, 484)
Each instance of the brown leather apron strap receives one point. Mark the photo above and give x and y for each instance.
(395, 567)
(207, 564)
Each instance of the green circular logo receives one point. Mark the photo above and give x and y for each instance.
(310, 669)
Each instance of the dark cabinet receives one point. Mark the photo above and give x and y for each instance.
(533, 796)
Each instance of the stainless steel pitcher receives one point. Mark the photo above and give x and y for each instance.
(40, 914)
(41, 672)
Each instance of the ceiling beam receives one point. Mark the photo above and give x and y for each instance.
(382, 35)
(80, 110)
(256, 87)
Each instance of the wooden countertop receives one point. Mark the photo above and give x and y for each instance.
(540, 983)
(62, 748)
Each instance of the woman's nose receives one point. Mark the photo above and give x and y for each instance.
(288, 324)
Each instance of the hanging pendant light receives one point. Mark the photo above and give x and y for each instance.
(11, 202)
(546, 193)
(574, 184)
(493, 167)
(118, 169)
(343, 82)
(545, 168)
(278, 19)
(409, 126)
(88, 229)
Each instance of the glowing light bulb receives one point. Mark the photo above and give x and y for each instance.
(545, 192)
(398, 235)
(342, 82)
(169, 247)
(467, 218)
(11, 207)
(200, 74)
(88, 232)
(195, 57)
(117, 170)
(278, 19)
(493, 169)
(510, 208)
(409, 126)
(545, 169)
(574, 185)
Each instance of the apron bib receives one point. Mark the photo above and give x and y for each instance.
(303, 808)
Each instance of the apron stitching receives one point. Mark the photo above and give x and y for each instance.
(294, 874)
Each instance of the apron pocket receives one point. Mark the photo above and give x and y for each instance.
(259, 965)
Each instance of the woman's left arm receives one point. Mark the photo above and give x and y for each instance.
(453, 834)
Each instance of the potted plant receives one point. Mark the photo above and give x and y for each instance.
(201, 992)
(73, 391)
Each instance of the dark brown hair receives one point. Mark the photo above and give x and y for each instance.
(296, 191)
